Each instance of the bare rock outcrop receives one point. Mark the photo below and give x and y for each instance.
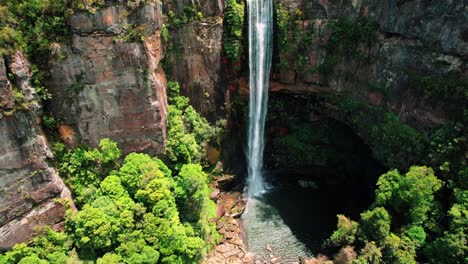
(229, 207)
(108, 81)
(195, 56)
(29, 185)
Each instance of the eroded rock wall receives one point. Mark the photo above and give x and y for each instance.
(107, 82)
(194, 57)
(29, 185)
(413, 38)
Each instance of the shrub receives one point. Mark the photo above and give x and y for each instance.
(232, 34)
(346, 232)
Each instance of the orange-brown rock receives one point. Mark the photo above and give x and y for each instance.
(232, 248)
(67, 135)
(212, 154)
(105, 86)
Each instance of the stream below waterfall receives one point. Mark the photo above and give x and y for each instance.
(290, 221)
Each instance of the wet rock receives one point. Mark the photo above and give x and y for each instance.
(20, 68)
(248, 258)
(307, 184)
(212, 153)
(219, 211)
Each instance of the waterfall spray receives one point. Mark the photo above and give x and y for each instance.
(260, 19)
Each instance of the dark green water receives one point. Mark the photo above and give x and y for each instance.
(294, 221)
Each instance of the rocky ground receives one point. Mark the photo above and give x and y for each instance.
(232, 249)
(230, 207)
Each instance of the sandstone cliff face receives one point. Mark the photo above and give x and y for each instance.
(28, 183)
(194, 58)
(107, 83)
(414, 37)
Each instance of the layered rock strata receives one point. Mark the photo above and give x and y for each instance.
(29, 185)
(107, 81)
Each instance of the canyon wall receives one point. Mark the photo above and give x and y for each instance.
(107, 80)
(29, 185)
(413, 38)
(194, 53)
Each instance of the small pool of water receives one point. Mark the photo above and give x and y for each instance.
(290, 221)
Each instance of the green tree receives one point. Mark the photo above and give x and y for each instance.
(109, 258)
(192, 193)
(137, 252)
(396, 143)
(370, 254)
(48, 247)
(346, 232)
(375, 224)
(399, 250)
(188, 132)
(84, 169)
(137, 170)
(232, 34)
(112, 187)
(452, 246)
(412, 193)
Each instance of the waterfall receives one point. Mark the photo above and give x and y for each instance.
(260, 19)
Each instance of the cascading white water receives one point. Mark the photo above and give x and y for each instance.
(260, 15)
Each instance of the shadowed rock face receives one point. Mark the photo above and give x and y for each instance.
(197, 63)
(108, 85)
(28, 184)
(418, 37)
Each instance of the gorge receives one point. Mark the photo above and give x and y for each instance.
(123, 130)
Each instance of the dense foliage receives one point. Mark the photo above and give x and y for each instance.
(137, 213)
(141, 211)
(232, 34)
(294, 36)
(188, 132)
(31, 26)
(404, 220)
